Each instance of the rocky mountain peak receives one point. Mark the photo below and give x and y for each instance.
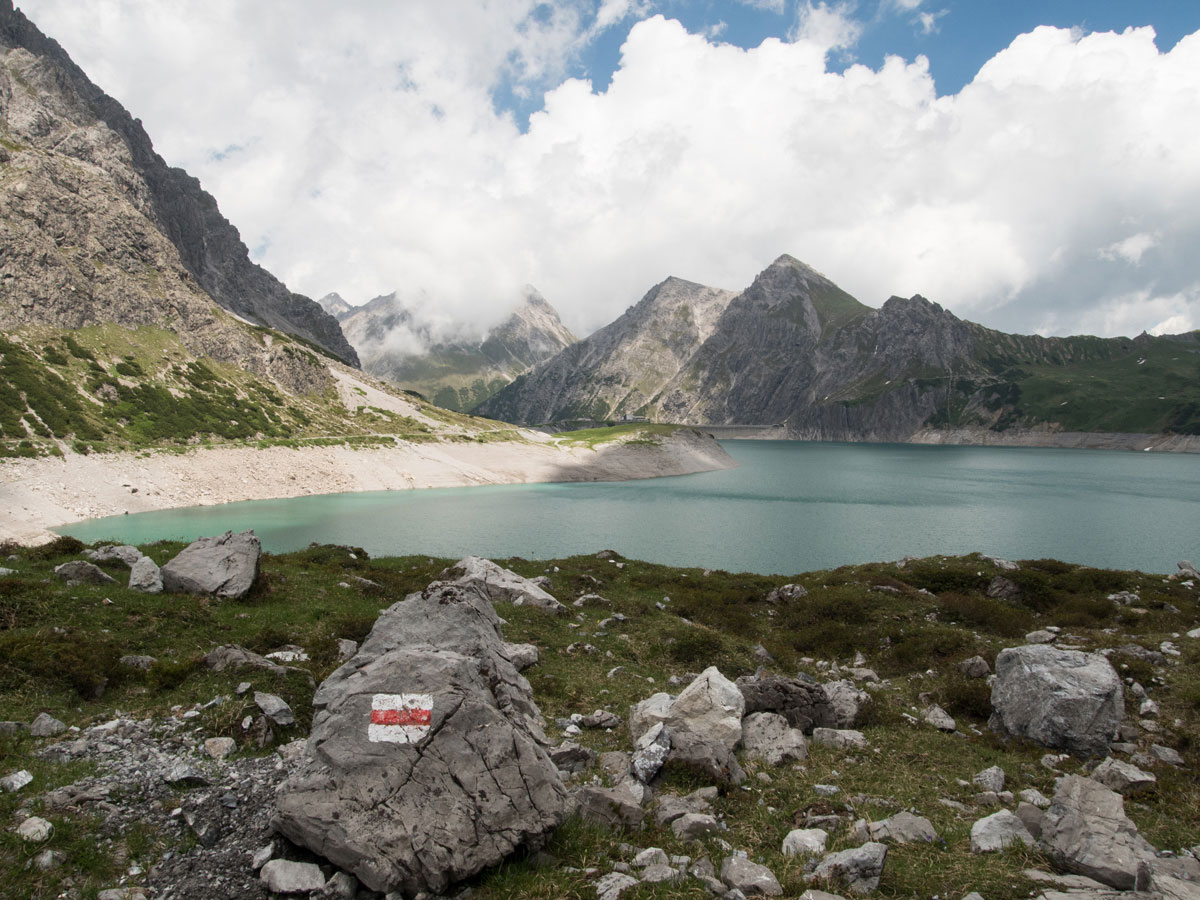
(48, 105)
(335, 305)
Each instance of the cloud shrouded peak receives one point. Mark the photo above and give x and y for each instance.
(364, 153)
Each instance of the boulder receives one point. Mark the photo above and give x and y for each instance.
(902, 828)
(768, 736)
(805, 706)
(845, 700)
(749, 877)
(859, 868)
(427, 759)
(77, 572)
(113, 553)
(612, 807)
(649, 712)
(1122, 777)
(498, 585)
(711, 708)
(709, 759)
(1085, 831)
(45, 725)
(225, 566)
(650, 752)
(1057, 698)
(145, 576)
(694, 826)
(997, 831)
(805, 842)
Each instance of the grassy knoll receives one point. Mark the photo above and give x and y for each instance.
(59, 651)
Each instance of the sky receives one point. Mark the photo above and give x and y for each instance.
(1033, 166)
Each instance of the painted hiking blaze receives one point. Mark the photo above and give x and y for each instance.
(400, 718)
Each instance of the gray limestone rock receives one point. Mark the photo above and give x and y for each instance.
(1122, 777)
(14, 781)
(274, 708)
(1031, 816)
(845, 700)
(805, 842)
(787, 592)
(572, 757)
(145, 576)
(859, 868)
(610, 886)
(749, 877)
(499, 585)
(709, 759)
(1057, 698)
(45, 725)
(694, 826)
(114, 553)
(612, 807)
(282, 876)
(138, 661)
(650, 752)
(1085, 831)
(975, 667)
(990, 779)
(937, 717)
(225, 566)
(1002, 588)
(427, 760)
(711, 708)
(35, 830)
(78, 572)
(997, 831)
(769, 737)
(521, 655)
(805, 706)
(902, 828)
(660, 873)
(842, 738)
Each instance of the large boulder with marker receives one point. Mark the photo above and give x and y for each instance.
(427, 760)
(225, 566)
(1058, 698)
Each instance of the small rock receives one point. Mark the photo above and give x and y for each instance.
(274, 708)
(610, 886)
(660, 873)
(859, 868)
(902, 828)
(1122, 777)
(145, 576)
(1166, 755)
(651, 752)
(346, 648)
(49, 859)
(16, 780)
(805, 842)
(1042, 636)
(787, 592)
(693, 826)
(342, 886)
(282, 876)
(184, 774)
(997, 831)
(651, 856)
(35, 830)
(1034, 797)
(826, 790)
(991, 779)
(220, 747)
(975, 667)
(144, 663)
(842, 738)
(45, 725)
(78, 572)
(938, 718)
(750, 878)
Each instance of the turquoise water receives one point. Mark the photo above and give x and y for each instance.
(790, 507)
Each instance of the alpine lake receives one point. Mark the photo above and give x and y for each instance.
(789, 507)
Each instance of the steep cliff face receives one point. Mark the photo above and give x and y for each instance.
(48, 104)
(457, 374)
(795, 350)
(620, 369)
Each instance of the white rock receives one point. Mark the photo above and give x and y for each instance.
(651, 856)
(991, 779)
(997, 831)
(35, 830)
(282, 876)
(16, 780)
(220, 747)
(938, 718)
(805, 842)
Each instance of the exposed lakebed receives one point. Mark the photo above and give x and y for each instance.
(789, 507)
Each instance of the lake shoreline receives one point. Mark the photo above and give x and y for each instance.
(40, 494)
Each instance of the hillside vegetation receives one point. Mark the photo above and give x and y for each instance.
(60, 650)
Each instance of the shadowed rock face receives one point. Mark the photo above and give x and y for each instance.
(48, 103)
(453, 781)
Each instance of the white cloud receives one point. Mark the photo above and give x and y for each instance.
(831, 27)
(1131, 249)
(775, 6)
(370, 157)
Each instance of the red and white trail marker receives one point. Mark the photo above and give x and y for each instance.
(400, 718)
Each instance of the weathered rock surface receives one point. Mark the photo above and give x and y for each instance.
(225, 566)
(612, 807)
(997, 831)
(45, 725)
(123, 553)
(749, 877)
(858, 868)
(1123, 777)
(769, 737)
(1085, 831)
(805, 842)
(710, 708)
(1057, 698)
(902, 828)
(428, 723)
(145, 576)
(845, 700)
(498, 585)
(79, 572)
(805, 706)
(650, 752)
(282, 876)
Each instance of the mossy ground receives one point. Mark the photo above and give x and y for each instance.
(59, 648)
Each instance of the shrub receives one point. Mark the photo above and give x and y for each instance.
(969, 697)
(985, 613)
(64, 545)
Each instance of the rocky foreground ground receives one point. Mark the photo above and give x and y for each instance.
(494, 735)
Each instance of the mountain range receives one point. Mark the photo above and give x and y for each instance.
(797, 352)
(395, 344)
